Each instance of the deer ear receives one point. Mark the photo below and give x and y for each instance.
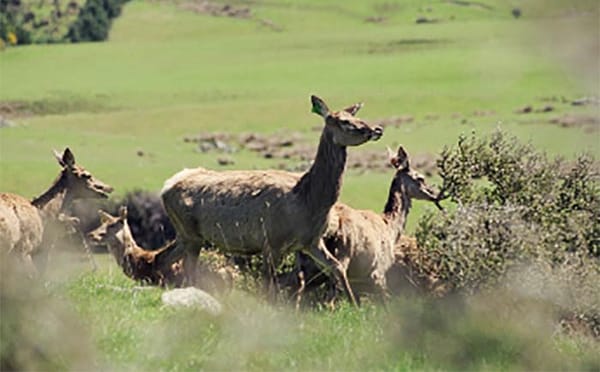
(352, 110)
(400, 161)
(123, 212)
(319, 107)
(104, 217)
(68, 159)
(391, 156)
(58, 157)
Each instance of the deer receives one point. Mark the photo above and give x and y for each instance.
(137, 263)
(160, 267)
(270, 212)
(28, 228)
(364, 241)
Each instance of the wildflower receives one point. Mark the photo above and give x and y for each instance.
(12, 38)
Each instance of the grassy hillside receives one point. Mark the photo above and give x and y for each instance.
(168, 72)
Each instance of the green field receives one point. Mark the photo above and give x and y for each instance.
(167, 73)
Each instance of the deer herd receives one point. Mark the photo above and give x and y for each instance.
(270, 213)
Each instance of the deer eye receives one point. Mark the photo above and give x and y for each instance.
(346, 125)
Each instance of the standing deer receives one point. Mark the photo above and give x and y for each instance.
(269, 212)
(25, 226)
(363, 241)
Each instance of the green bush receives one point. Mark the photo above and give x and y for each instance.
(11, 22)
(94, 21)
(513, 207)
(92, 24)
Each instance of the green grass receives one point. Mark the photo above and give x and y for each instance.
(166, 73)
(106, 322)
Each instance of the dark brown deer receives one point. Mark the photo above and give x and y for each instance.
(269, 212)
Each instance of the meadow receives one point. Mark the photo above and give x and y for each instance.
(166, 73)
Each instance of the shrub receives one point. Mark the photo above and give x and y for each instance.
(92, 24)
(94, 20)
(11, 26)
(514, 205)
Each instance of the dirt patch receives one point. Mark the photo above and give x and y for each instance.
(470, 3)
(217, 10)
(375, 19)
(588, 122)
(394, 121)
(586, 101)
(403, 44)
(228, 10)
(18, 109)
(421, 20)
(293, 152)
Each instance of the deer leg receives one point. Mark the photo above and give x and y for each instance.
(380, 287)
(30, 268)
(190, 261)
(301, 287)
(269, 273)
(333, 288)
(323, 257)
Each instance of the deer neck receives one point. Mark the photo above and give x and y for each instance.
(55, 199)
(396, 209)
(320, 186)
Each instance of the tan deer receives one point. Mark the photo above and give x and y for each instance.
(364, 241)
(137, 263)
(162, 266)
(269, 212)
(28, 228)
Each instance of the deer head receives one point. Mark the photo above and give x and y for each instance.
(345, 128)
(79, 183)
(411, 182)
(110, 232)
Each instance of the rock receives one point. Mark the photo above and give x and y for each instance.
(5, 123)
(192, 297)
(586, 101)
(225, 161)
(421, 20)
(524, 110)
(547, 108)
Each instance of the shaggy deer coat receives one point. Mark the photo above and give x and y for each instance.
(268, 212)
(27, 225)
(364, 241)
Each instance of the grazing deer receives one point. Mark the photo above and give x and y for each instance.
(269, 212)
(136, 262)
(363, 241)
(157, 267)
(25, 226)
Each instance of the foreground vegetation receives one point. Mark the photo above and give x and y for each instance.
(166, 73)
(117, 325)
